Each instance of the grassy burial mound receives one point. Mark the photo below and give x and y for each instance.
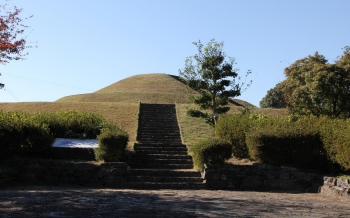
(147, 88)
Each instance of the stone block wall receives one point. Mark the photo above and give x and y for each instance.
(261, 177)
(69, 153)
(50, 172)
(336, 187)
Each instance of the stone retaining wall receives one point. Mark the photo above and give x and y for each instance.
(49, 172)
(71, 153)
(336, 187)
(261, 177)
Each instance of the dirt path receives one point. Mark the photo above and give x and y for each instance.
(83, 202)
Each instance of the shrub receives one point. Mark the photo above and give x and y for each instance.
(336, 139)
(296, 144)
(72, 124)
(214, 151)
(111, 144)
(199, 114)
(234, 128)
(20, 135)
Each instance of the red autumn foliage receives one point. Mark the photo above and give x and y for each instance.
(12, 41)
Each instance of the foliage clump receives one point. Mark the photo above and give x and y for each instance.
(308, 142)
(21, 135)
(274, 98)
(12, 43)
(111, 145)
(295, 144)
(33, 134)
(214, 151)
(72, 123)
(315, 86)
(213, 77)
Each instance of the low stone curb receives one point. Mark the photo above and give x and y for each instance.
(336, 187)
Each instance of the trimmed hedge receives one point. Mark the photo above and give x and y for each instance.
(20, 135)
(318, 143)
(72, 124)
(33, 134)
(336, 139)
(234, 128)
(296, 144)
(214, 151)
(111, 145)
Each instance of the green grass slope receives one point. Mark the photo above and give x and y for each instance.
(147, 88)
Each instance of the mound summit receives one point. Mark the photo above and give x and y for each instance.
(147, 88)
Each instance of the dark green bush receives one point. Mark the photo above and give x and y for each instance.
(296, 144)
(214, 151)
(299, 141)
(199, 114)
(20, 135)
(195, 113)
(72, 124)
(111, 145)
(233, 129)
(336, 139)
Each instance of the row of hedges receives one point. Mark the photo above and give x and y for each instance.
(21, 135)
(33, 134)
(72, 124)
(302, 142)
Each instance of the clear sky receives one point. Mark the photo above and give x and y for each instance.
(86, 45)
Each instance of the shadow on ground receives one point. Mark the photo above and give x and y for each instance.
(81, 202)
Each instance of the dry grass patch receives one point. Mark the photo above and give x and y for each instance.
(192, 129)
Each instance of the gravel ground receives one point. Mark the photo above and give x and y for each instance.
(85, 202)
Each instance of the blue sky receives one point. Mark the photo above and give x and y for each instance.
(85, 45)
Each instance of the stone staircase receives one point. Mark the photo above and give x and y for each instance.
(161, 160)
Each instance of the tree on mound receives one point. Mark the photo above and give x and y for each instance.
(214, 78)
(12, 44)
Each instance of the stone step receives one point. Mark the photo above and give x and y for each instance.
(161, 136)
(159, 139)
(158, 128)
(150, 141)
(164, 134)
(164, 172)
(161, 166)
(158, 124)
(165, 114)
(159, 144)
(159, 161)
(153, 152)
(169, 147)
(166, 185)
(164, 179)
(161, 156)
(156, 140)
(155, 116)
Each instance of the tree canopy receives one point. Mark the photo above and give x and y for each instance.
(315, 86)
(274, 98)
(213, 76)
(12, 41)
